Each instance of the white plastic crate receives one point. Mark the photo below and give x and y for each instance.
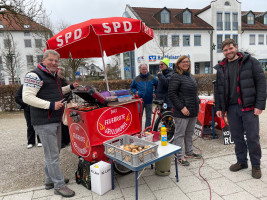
(114, 150)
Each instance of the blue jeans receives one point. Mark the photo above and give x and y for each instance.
(148, 108)
(241, 122)
(50, 135)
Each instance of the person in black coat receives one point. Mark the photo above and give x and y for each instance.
(27, 115)
(164, 76)
(183, 96)
(65, 139)
(240, 95)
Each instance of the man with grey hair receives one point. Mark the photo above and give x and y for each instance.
(145, 86)
(43, 93)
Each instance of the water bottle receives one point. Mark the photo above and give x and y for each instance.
(163, 133)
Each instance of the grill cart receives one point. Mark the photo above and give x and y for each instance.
(97, 121)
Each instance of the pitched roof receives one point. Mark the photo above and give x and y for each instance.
(148, 16)
(16, 22)
(257, 25)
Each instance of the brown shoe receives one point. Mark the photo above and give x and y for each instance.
(236, 167)
(65, 192)
(49, 186)
(256, 172)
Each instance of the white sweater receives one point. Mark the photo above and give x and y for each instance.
(32, 85)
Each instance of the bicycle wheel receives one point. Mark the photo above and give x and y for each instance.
(168, 121)
(120, 169)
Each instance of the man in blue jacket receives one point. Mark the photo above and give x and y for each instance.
(142, 86)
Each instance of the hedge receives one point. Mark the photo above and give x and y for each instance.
(7, 92)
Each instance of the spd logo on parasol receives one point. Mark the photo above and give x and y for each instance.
(114, 121)
(79, 140)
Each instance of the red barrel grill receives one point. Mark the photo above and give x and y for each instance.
(95, 123)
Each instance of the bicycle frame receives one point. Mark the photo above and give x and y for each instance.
(157, 111)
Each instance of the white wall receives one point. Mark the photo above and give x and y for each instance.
(18, 37)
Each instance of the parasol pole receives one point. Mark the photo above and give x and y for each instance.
(105, 71)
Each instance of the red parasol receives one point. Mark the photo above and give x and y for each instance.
(91, 38)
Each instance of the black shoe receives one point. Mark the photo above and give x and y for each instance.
(64, 191)
(183, 162)
(194, 155)
(256, 172)
(49, 186)
(236, 167)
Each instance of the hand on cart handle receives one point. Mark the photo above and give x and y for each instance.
(58, 105)
(76, 84)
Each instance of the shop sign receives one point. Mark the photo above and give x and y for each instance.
(79, 140)
(154, 58)
(140, 58)
(114, 121)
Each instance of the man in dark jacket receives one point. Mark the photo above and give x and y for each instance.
(43, 93)
(145, 86)
(27, 115)
(240, 94)
(164, 76)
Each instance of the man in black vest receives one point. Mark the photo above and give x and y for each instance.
(43, 93)
(240, 94)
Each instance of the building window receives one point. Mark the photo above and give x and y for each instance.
(250, 18)
(39, 58)
(28, 43)
(1, 65)
(27, 33)
(175, 40)
(38, 43)
(163, 41)
(29, 59)
(235, 21)
(265, 19)
(219, 21)
(227, 21)
(261, 39)
(186, 40)
(7, 43)
(227, 36)
(251, 39)
(197, 40)
(227, 3)
(197, 68)
(187, 19)
(235, 38)
(165, 17)
(219, 43)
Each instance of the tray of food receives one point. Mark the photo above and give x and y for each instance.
(131, 150)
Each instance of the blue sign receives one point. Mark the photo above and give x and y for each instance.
(77, 73)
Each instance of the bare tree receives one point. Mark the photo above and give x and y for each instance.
(161, 40)
(113, 70)
(11, 58)
(15, 12)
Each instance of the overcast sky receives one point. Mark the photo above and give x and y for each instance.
(76, 11)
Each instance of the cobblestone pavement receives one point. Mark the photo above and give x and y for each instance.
(22, 175)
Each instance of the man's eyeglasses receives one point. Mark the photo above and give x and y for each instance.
(161, 64)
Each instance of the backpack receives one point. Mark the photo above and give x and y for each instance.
(82, 175)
